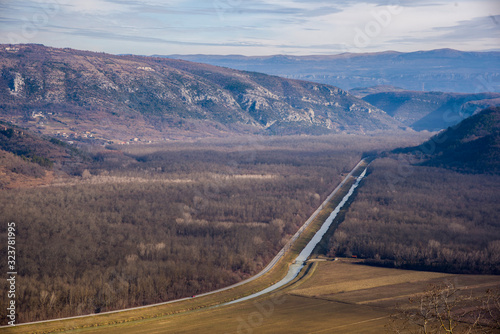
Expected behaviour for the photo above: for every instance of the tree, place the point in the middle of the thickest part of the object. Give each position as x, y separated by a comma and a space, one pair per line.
445, 308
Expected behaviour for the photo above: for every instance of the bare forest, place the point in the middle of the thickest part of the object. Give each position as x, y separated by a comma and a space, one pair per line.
424, 218
150, 223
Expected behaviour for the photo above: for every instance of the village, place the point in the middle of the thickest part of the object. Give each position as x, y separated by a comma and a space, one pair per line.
72, 134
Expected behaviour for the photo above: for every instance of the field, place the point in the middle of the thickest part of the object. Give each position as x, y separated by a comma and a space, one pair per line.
329, 297
350, 282
339, 297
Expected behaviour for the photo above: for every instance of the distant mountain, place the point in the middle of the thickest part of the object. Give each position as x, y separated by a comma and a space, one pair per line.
431, 111
442, 70
95, 96
473, 145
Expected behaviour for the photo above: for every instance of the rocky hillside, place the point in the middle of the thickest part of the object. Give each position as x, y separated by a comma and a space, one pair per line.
430, 110
473, 145
95, 96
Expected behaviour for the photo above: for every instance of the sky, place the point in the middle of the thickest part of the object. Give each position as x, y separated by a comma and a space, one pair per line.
252, 27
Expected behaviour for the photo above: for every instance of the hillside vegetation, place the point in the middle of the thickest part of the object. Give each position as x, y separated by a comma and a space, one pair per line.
27, 159
473, 145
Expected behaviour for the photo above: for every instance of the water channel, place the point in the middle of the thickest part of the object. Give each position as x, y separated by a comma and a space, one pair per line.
299, 262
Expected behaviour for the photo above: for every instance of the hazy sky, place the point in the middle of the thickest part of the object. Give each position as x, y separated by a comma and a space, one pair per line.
252, 27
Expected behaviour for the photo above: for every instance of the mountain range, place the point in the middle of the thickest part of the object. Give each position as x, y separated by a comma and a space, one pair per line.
96, 96
443, 70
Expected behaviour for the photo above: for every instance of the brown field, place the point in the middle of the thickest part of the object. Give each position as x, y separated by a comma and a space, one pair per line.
288, 314
331, 297
351, 282
336, 279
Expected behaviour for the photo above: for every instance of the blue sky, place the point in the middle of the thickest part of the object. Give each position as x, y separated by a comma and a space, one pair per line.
252, 27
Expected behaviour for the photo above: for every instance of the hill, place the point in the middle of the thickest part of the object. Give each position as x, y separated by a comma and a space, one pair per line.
26, 159
443, 70
430, 110
97, 96
473, 145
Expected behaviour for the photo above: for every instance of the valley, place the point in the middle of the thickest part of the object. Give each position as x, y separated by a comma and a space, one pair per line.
344, 295
431, 111
139, 212
153, 194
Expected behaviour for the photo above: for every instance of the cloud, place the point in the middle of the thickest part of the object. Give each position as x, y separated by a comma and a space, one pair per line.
94, 7
321, 11
7, 20
253, 26
108, 35
481, 27
486, 27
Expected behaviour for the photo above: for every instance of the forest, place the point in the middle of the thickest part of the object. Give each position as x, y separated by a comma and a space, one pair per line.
149, 223
425, 218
